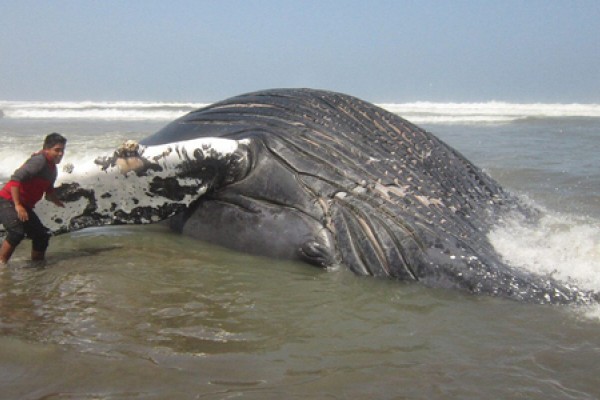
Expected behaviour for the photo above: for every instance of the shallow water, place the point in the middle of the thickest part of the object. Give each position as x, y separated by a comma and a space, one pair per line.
132, 312
142, 313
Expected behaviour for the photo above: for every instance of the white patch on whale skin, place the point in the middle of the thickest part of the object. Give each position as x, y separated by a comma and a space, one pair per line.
117, 193
428, 201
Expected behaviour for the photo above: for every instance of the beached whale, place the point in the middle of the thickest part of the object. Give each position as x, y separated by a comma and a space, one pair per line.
316, 176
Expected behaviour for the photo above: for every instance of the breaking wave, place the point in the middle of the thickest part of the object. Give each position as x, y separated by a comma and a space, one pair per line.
417, 112
107, 111
566, 247
489, 112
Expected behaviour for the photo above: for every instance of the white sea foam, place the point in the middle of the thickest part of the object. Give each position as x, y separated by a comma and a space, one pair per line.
566, 247
116, 111
488, 112
417, 112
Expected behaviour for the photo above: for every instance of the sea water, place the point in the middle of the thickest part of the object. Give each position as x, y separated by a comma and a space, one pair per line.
136, 312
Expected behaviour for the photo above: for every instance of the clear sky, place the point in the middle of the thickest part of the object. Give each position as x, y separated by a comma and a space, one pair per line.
382, 51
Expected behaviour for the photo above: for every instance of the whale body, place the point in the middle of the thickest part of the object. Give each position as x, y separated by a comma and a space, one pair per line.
320, 177
335, 180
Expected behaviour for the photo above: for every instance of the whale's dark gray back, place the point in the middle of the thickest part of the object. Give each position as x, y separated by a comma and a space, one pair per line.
351, 140
396, 200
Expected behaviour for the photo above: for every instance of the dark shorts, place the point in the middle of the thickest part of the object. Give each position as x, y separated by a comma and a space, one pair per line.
16, 230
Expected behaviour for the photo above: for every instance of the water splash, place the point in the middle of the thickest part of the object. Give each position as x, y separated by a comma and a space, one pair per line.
568, 247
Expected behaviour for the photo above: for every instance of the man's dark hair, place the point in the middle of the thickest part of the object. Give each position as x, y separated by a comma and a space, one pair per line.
53, 139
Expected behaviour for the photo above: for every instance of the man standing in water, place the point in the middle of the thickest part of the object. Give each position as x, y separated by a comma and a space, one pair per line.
18, 197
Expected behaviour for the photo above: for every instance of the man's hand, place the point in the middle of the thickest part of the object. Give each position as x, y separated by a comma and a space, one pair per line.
21, 212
